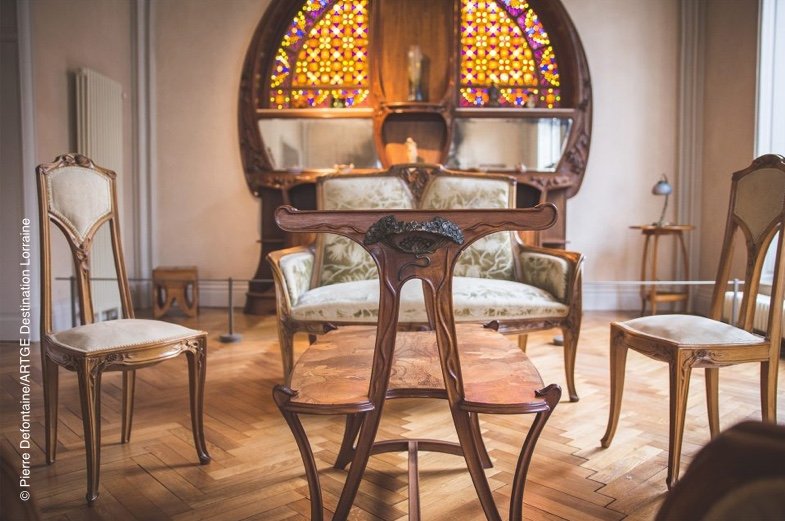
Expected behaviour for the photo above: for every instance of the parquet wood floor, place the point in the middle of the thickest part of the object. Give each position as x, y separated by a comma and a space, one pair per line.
256, 472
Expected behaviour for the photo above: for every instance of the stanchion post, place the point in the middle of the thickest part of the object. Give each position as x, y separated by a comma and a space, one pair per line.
230, 336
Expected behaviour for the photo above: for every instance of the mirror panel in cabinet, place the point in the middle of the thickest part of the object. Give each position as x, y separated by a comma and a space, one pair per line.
296, 144
428, 130
508, 143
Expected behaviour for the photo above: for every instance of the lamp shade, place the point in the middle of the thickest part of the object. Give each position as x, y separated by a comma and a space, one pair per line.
663, 187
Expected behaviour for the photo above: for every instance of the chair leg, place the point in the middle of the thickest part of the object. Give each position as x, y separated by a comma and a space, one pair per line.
522, 341
353, 424
282, 395
471, 453
552, 395
680, 371
477, 433
286, 344
768, 391
89, 376
618, 359
51, 377
197, 371
712, 399
570, 334
129, 385
361, 454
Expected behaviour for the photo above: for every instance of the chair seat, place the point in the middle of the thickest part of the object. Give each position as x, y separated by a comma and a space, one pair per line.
690, 330
498, 375
114, 335
474, 299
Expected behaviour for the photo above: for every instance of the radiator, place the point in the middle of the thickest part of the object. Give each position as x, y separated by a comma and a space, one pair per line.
99, 136
760, 319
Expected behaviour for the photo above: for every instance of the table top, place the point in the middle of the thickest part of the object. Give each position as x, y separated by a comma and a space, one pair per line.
665, 228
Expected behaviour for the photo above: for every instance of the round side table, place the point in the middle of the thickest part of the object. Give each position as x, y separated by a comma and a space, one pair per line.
649, 292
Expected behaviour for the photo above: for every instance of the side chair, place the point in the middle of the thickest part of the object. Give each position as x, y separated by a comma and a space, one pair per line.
352, 370
79, 197
685, 342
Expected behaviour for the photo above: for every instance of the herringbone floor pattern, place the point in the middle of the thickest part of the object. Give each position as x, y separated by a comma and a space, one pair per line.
257, 474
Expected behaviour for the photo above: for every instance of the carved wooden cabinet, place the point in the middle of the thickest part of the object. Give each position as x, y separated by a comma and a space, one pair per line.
331, 85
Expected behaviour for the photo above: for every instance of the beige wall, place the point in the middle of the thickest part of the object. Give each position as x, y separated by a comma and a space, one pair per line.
632, 49
728, 119
205, 214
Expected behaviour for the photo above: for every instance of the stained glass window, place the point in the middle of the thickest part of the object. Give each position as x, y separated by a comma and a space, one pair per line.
507, 59
323, 57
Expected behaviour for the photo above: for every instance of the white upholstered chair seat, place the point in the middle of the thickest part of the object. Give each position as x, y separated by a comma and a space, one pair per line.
121, 334
474, 299
691, 330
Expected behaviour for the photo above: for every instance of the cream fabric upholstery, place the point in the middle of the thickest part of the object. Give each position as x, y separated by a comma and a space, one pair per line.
473, 300
121, 334
343, 260
691, 330
547, 272
759, 199
79, 197
492, 256
297, 269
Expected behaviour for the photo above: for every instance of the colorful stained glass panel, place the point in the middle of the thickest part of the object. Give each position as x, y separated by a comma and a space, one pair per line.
323, 57
506, 56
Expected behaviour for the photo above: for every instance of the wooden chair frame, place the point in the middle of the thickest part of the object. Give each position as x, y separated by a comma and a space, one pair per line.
683, 357
90, 365
408, 244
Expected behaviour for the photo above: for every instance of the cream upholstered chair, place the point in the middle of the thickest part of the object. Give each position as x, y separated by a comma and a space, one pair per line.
334, 282
757, 210
79, 197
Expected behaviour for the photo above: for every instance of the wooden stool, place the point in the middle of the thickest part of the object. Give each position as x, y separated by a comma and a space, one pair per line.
170, 284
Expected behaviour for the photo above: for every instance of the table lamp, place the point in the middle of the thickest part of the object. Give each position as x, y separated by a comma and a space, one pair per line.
663, 187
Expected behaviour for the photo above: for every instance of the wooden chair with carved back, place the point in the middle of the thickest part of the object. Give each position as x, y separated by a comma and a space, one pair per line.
757, 211
79, 197
352, 370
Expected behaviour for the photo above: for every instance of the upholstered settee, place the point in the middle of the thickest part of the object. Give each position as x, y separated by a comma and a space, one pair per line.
516, 288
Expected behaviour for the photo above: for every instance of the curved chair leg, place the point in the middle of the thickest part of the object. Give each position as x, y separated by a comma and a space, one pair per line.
552, 394
282, 395
129, 385
712, 399
471, 453
570, 334
51, 377
353, 424
522, 341
680, 371
89, 375
618, 359
477, 433
368, 430
768, 391
197, 371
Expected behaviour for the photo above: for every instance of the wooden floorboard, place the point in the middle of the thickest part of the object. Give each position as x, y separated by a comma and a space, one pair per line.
257, 474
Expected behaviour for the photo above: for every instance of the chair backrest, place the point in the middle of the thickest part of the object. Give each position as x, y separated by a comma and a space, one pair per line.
78, 197
411, 186
757, 210
416, 244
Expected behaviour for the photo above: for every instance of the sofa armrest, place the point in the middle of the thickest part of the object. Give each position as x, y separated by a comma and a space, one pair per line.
292, 270
555, 271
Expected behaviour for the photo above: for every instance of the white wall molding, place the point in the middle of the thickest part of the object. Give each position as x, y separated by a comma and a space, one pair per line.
610, 296
690, 131
29, 153
770, 99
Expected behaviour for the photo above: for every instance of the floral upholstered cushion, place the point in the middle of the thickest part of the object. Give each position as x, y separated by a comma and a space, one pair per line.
297, 268
473, 300
490, 257
547, 272
338, 258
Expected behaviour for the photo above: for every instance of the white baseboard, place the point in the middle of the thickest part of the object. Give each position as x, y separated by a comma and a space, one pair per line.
215, 294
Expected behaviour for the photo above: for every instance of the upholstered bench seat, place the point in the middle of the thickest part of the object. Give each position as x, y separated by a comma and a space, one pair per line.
474, 299
334, 281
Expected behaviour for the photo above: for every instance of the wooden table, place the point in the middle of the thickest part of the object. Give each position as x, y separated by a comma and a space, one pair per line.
175, 284
649, 292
